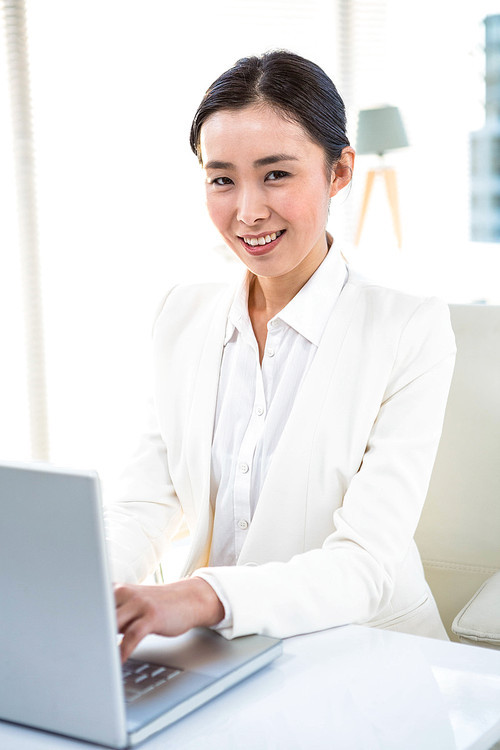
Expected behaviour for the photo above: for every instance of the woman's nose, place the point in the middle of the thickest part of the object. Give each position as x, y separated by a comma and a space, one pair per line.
251, 206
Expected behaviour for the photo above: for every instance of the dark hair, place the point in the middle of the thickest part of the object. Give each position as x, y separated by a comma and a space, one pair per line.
293, 86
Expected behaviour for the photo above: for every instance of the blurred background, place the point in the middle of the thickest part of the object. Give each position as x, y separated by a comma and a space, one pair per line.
116, 211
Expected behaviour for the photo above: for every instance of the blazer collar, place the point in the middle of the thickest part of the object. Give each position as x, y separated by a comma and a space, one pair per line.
307, 313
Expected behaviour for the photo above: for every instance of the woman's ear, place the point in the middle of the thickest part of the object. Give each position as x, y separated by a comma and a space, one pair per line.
342, 171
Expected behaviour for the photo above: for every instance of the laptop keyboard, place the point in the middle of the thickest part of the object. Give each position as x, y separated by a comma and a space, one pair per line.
140, 677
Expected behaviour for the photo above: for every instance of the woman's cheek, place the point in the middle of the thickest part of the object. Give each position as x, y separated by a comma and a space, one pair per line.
214, 212
219, 211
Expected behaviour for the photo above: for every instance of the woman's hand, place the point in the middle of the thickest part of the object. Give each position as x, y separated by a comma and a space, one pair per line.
170, 610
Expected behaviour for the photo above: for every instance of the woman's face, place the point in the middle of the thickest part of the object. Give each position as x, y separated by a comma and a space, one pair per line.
267, 189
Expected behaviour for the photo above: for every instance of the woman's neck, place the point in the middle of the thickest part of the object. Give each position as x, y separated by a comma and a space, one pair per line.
268, 295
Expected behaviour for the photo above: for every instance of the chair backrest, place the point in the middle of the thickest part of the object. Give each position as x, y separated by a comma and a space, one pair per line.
459, 533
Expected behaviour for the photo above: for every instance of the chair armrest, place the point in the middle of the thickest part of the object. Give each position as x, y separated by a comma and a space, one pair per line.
479, 621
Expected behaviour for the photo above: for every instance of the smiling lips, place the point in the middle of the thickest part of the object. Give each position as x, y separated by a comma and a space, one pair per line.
262, 244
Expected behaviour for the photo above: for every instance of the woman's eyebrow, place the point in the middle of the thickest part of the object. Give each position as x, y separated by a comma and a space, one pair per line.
273, 159
219, 165
264, 162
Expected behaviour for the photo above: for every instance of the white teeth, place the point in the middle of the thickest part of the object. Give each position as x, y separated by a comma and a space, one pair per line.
253, 241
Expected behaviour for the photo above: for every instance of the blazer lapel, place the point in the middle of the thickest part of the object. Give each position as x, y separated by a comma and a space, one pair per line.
288, 474
199, 431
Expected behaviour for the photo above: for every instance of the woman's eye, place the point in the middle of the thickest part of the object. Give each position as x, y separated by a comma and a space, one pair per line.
221, 181
276, 174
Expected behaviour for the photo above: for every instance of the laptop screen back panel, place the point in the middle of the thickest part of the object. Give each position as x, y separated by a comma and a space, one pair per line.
58, 654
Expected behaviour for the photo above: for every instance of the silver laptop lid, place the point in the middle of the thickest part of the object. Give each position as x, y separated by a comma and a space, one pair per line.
59, 661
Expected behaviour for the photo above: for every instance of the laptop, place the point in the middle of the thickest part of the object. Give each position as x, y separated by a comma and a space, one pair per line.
59, 661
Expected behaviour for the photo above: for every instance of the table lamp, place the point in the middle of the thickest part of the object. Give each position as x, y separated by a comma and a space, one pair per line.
379, 130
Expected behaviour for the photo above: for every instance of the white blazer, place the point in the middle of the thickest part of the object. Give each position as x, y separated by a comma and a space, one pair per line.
331, 541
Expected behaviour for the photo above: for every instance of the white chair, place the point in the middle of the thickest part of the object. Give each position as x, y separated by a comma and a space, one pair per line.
459, 532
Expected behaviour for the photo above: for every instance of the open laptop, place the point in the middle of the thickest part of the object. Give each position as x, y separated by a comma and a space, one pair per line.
59, 662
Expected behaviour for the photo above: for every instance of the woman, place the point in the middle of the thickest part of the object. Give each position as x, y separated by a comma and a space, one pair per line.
296, 418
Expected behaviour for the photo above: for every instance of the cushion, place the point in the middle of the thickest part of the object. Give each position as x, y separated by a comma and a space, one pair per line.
479, 621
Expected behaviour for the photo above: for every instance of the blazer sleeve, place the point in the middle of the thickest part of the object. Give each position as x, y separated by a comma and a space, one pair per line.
350, 579
146, 514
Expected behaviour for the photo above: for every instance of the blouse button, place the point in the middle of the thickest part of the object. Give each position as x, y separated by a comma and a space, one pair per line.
244, 468
270, 352
243, 524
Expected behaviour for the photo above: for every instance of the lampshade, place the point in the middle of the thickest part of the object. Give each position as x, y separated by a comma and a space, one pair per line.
380, 130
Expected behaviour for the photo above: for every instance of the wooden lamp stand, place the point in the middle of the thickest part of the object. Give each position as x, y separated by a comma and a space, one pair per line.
389, 175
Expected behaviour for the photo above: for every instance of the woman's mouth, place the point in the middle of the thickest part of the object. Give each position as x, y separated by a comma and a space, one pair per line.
261, 244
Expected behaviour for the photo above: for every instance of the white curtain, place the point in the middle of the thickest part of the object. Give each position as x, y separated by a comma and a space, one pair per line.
17, 70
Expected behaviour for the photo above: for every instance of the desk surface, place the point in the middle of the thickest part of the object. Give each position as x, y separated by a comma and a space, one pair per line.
352, 688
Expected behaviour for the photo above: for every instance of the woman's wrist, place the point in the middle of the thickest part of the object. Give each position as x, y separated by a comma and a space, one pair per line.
209, 606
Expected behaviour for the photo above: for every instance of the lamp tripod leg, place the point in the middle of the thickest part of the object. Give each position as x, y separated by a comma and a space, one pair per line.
370, 177
392, 194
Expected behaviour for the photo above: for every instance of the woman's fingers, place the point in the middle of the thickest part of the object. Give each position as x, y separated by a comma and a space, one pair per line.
132, 636
129, 606
131, 620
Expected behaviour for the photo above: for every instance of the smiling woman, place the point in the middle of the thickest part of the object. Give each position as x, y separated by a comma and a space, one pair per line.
296, 416
248, 201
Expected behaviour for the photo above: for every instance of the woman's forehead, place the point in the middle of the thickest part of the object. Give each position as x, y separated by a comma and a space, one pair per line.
254, 131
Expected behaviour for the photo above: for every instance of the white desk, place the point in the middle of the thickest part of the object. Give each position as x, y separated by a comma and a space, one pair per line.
350, 688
